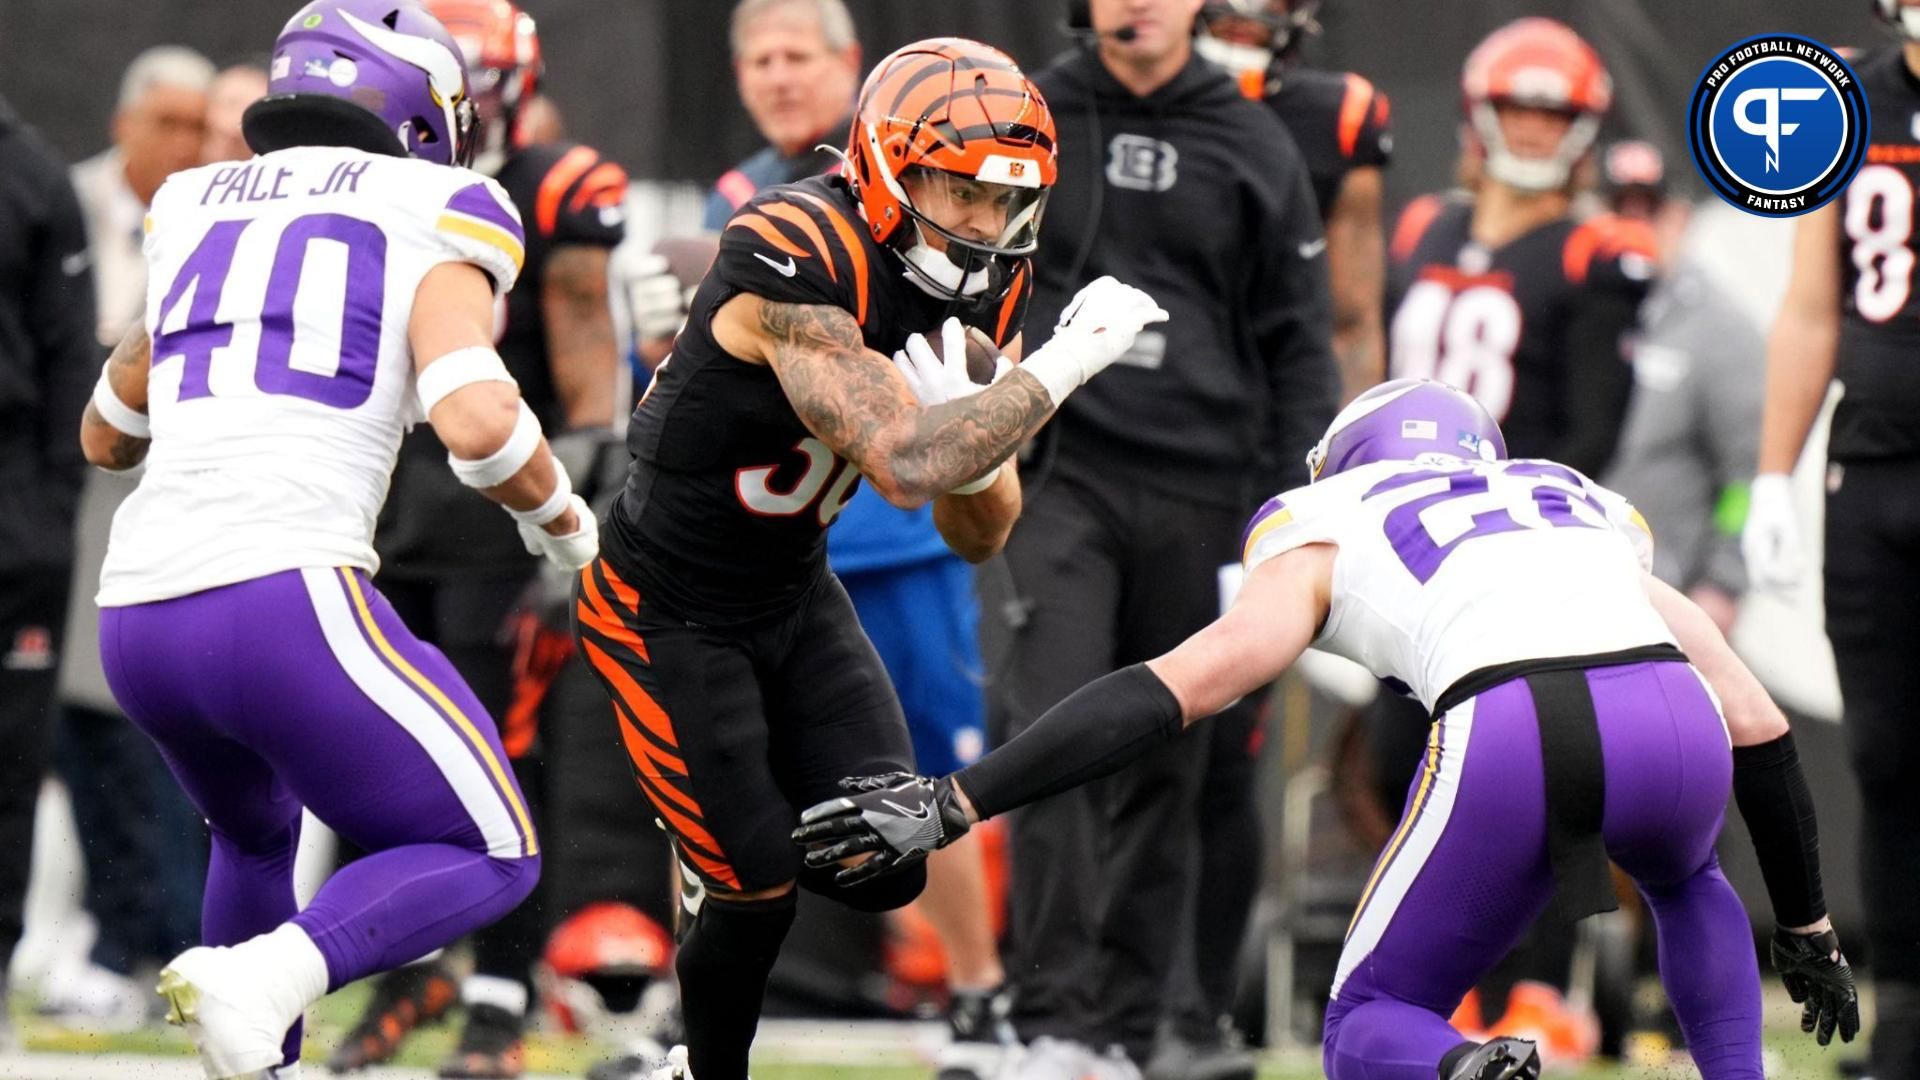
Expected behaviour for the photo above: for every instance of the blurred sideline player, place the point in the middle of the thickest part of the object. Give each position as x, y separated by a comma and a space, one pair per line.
451, 566
1850, 314
743, 684
1569, 728
1504, 292
239, 628
1339, 122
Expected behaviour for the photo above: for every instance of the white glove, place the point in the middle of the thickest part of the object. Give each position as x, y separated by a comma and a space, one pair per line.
1771, 540
654, 297
936, 380
1096, 329
572, 551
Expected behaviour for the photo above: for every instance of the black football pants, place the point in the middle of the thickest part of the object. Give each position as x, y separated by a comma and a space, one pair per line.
1873, 620
1097, 576
33, 616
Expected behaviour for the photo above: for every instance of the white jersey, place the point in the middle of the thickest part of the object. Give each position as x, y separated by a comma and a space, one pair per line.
279, 294
1447, 566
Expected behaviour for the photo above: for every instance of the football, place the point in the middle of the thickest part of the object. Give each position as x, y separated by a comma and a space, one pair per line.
983, 356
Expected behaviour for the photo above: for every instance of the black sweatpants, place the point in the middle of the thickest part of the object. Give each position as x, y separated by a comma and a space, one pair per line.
33, 617
1872, 592
1094, 579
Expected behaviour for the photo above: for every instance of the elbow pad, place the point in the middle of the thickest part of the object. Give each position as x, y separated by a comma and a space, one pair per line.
498, 467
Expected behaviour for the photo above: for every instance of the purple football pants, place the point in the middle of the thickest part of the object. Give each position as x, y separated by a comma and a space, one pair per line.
304, 689
1467, 872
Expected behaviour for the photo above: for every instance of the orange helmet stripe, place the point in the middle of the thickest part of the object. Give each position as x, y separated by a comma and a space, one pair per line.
553, 187
856, 252
1353, 112
605, 179
768, 233
796, 216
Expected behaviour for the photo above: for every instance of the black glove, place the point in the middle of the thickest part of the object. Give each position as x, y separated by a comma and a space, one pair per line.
900, 817
1817, 977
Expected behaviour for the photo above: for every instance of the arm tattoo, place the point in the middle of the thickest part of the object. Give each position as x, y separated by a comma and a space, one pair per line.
580, 342
124, 451
126, 369
846, 395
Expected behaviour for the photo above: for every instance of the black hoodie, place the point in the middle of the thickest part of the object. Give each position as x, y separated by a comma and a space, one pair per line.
1205, 203
48, 356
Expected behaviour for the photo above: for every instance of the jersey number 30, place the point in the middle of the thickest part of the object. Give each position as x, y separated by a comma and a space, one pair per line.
824, 487
345, 381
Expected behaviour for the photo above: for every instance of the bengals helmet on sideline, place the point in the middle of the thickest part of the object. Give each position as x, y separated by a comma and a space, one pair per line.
502, 51
1251, 35
1542, 64
956, 109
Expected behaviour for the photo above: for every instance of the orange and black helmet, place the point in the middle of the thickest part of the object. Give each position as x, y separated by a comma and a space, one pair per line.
1535, 63
502, 51
955, 107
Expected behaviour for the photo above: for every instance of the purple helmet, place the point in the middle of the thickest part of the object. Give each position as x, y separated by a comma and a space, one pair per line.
380, 75
1402, 419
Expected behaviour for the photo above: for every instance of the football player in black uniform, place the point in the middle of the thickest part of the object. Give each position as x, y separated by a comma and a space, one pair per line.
1505, 292
1340, 122
1850, 314
454, 571
742, 682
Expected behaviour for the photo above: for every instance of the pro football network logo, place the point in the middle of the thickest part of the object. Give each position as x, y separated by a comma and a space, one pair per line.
1778, 125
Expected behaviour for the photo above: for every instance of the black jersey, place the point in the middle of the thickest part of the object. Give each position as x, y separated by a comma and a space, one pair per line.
1339, 121
1879, 416
432, 525
727, 503
1532, 329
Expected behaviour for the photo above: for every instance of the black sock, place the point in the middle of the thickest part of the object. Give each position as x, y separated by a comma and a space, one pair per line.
723, 967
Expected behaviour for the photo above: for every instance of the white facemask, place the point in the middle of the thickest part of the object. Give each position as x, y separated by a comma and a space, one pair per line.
1232, 55
937, 275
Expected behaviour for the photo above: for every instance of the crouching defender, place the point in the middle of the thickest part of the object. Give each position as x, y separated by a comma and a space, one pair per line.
307, 306
1582, 711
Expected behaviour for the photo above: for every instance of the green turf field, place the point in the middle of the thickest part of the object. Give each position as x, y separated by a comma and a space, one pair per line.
1792, 1056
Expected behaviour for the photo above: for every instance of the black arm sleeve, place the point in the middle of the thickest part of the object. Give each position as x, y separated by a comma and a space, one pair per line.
1772, 794
1599, 380
1100, 728
60, 319
1291, 322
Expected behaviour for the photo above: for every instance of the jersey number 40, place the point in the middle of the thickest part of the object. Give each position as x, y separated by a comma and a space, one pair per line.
344, 381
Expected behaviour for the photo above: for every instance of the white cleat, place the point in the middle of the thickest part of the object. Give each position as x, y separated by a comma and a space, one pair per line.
676, 1066
220, 1004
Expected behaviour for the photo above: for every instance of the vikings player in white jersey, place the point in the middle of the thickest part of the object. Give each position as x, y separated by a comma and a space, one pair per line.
307, 306
1512, 599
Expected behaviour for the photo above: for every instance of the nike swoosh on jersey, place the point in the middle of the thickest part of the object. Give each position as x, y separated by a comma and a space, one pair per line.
786, 269
1313, 247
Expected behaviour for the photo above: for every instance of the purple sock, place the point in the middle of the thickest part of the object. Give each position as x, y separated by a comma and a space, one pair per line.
1386, 1039
1707, 964
397, 905
250, 892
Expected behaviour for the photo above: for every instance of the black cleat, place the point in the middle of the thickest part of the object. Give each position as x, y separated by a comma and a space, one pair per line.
1499, 1059
403, 999
492, 1046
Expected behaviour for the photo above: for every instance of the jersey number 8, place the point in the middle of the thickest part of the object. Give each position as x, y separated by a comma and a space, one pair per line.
344, 381
1879, 242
